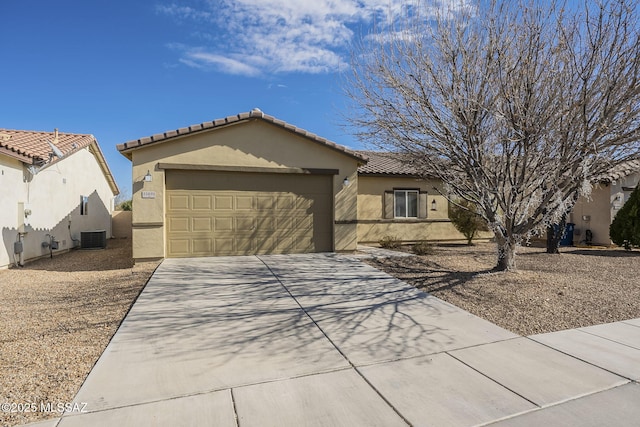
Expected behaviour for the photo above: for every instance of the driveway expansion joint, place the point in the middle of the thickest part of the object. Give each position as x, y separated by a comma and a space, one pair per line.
494, 380
583, 360
353, 366
610, 339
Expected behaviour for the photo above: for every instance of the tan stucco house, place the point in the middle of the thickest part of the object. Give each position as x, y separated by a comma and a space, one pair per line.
253, 184
594, 215
245, 184
53, 187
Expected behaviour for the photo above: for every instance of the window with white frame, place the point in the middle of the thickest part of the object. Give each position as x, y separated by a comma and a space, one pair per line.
405, 203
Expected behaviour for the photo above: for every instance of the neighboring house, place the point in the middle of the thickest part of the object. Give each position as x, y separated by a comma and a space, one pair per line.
252, 184
51, 184
597, 212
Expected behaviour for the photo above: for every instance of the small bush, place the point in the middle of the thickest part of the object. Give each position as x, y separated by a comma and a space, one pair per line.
466, 220
422, 248
124, 206
389, 242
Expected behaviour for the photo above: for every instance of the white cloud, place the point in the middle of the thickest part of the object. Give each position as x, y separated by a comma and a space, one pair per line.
221, 63
183, 12
253, 37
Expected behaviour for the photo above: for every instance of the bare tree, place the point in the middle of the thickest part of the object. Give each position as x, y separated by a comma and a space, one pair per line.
517, 107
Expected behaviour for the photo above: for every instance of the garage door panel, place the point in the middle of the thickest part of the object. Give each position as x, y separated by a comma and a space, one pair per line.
202, 246
202, 202
244, 223
284, 223
285, 202
223, 202
304, 203
178, 202
245, 202
264, 202
179, 247
244, 246
222, 224
178, 224
223, 246
247, 213
265, 224
284, 243
202, 224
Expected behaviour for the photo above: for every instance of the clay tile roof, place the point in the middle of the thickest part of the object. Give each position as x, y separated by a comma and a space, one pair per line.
32, 146
254, 114
386, 163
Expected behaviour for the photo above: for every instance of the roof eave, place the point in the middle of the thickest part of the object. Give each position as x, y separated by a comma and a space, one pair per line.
391, 174
97, 152
129, 146
23, 157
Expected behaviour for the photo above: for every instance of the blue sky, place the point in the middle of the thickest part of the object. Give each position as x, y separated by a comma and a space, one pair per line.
122, 70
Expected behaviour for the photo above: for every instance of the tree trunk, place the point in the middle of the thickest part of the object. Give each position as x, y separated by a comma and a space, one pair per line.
470, 237
506, 254
554, 236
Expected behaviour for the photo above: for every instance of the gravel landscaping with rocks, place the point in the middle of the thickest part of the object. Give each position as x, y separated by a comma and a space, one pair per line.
579, 287
57, 317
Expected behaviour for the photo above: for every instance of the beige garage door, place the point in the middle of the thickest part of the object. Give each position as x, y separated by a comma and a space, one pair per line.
222, 213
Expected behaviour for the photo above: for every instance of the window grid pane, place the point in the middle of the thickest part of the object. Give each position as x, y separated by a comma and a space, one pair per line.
401, 204
412, 204
406, 203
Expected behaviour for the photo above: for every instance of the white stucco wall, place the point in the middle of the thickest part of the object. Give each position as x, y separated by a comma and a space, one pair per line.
11, 190
53, 196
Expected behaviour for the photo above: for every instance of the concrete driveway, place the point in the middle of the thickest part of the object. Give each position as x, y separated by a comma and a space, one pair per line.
325, 340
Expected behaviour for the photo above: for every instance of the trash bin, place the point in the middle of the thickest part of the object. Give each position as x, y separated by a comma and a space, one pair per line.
567, 237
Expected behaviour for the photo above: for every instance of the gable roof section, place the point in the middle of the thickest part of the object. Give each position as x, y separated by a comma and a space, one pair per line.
31, 147
383, 163
254, 114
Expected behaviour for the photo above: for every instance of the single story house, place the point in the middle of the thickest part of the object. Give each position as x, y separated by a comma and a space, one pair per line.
53, 187
253, 184
592, 216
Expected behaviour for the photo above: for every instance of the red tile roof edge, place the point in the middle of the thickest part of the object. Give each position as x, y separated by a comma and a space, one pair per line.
253, 114
32, 146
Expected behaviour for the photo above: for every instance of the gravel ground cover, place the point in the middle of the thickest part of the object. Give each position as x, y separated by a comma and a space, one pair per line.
579, 287
57, 317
